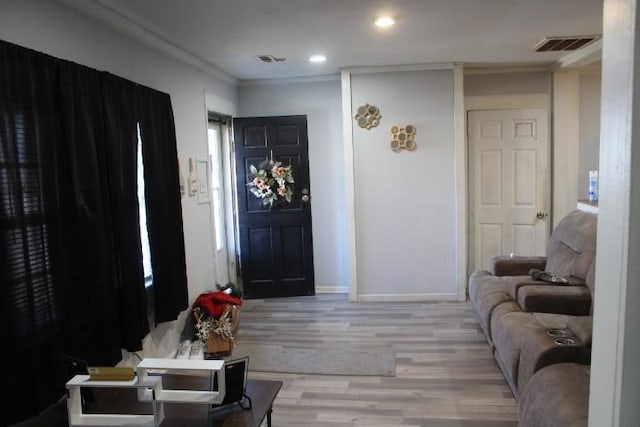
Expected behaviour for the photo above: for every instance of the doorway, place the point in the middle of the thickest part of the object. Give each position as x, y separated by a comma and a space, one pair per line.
275, 241
509, 185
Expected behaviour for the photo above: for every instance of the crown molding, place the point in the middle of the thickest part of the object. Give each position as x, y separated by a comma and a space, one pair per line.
135, 26
394, 68
288, 80
506, 69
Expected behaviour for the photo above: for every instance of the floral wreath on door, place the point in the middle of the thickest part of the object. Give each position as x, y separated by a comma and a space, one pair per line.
272, 182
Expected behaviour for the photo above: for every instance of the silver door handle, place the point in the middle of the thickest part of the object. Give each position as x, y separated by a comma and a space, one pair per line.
305, 195
541, 215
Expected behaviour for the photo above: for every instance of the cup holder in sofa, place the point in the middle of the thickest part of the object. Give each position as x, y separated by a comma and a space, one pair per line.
562, 337
565, 341
559, 333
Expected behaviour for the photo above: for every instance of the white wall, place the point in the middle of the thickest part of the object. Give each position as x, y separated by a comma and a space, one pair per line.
576, 134
566, 143
320, 101
405, 215
57, 30
615, 373
589, 145
506, 83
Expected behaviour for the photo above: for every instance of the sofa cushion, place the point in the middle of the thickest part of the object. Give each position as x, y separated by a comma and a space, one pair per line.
556, 396
483, 282
484, 309
574, 300
514, 283
486, 291
502, 265
502, 309
508, 333
572, 245
553, 320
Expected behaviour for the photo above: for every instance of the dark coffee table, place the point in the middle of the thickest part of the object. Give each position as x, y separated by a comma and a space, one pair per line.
261, 392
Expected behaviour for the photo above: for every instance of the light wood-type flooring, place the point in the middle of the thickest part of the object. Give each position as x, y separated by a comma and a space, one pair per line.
445, 373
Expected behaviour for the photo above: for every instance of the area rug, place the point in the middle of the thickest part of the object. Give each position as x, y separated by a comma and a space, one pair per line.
294, 360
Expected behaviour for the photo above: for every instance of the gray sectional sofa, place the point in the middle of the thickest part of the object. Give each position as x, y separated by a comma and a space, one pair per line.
540, 330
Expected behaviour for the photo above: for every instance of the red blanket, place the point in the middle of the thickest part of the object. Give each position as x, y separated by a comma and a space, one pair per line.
214, 303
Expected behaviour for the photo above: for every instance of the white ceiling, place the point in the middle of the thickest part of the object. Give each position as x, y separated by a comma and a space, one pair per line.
228, 34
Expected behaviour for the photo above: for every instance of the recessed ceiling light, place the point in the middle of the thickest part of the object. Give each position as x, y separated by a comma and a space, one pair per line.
317, 58
384, 22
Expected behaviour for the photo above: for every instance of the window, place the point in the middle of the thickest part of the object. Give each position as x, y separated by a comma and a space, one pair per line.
144, 235
25, 242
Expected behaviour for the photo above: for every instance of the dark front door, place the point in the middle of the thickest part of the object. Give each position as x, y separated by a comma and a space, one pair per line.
276, 257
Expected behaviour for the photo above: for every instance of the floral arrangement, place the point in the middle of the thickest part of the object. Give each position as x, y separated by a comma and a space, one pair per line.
271, 181
206, 325
213, 313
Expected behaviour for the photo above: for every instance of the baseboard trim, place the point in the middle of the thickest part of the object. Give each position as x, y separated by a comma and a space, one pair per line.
407, 297
331, 290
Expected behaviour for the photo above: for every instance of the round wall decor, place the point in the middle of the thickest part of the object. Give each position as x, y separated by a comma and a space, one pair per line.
402, 137
368, 116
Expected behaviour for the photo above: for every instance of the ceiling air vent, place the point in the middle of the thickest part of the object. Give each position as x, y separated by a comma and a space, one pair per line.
270, 58
563, 44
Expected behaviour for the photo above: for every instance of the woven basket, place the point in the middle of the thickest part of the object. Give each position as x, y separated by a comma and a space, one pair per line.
219, 345
235, 318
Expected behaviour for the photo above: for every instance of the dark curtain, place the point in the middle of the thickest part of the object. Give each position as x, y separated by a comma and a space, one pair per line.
87, 284
30, 317
162, 195
70, 251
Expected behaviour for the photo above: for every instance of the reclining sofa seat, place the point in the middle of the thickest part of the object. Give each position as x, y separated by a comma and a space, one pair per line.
549, 381
523, 345
507, 287
515, 312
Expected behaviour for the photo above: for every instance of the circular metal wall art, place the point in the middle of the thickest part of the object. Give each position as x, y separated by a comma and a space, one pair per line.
368, 116
403, 137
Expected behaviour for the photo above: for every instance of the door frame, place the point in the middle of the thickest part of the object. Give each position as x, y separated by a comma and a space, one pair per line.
506, 102
279, 218
543, 191
230, 211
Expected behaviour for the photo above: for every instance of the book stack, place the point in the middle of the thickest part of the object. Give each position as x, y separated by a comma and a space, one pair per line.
108, 373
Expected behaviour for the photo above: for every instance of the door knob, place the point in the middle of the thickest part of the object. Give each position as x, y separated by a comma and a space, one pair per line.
305, 195
541, 215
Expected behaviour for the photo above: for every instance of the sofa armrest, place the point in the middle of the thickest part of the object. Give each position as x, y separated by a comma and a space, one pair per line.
517, 266
538, 350
582, 327
557, 395
559, 299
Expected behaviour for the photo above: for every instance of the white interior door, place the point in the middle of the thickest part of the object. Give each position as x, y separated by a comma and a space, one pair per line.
509, 185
